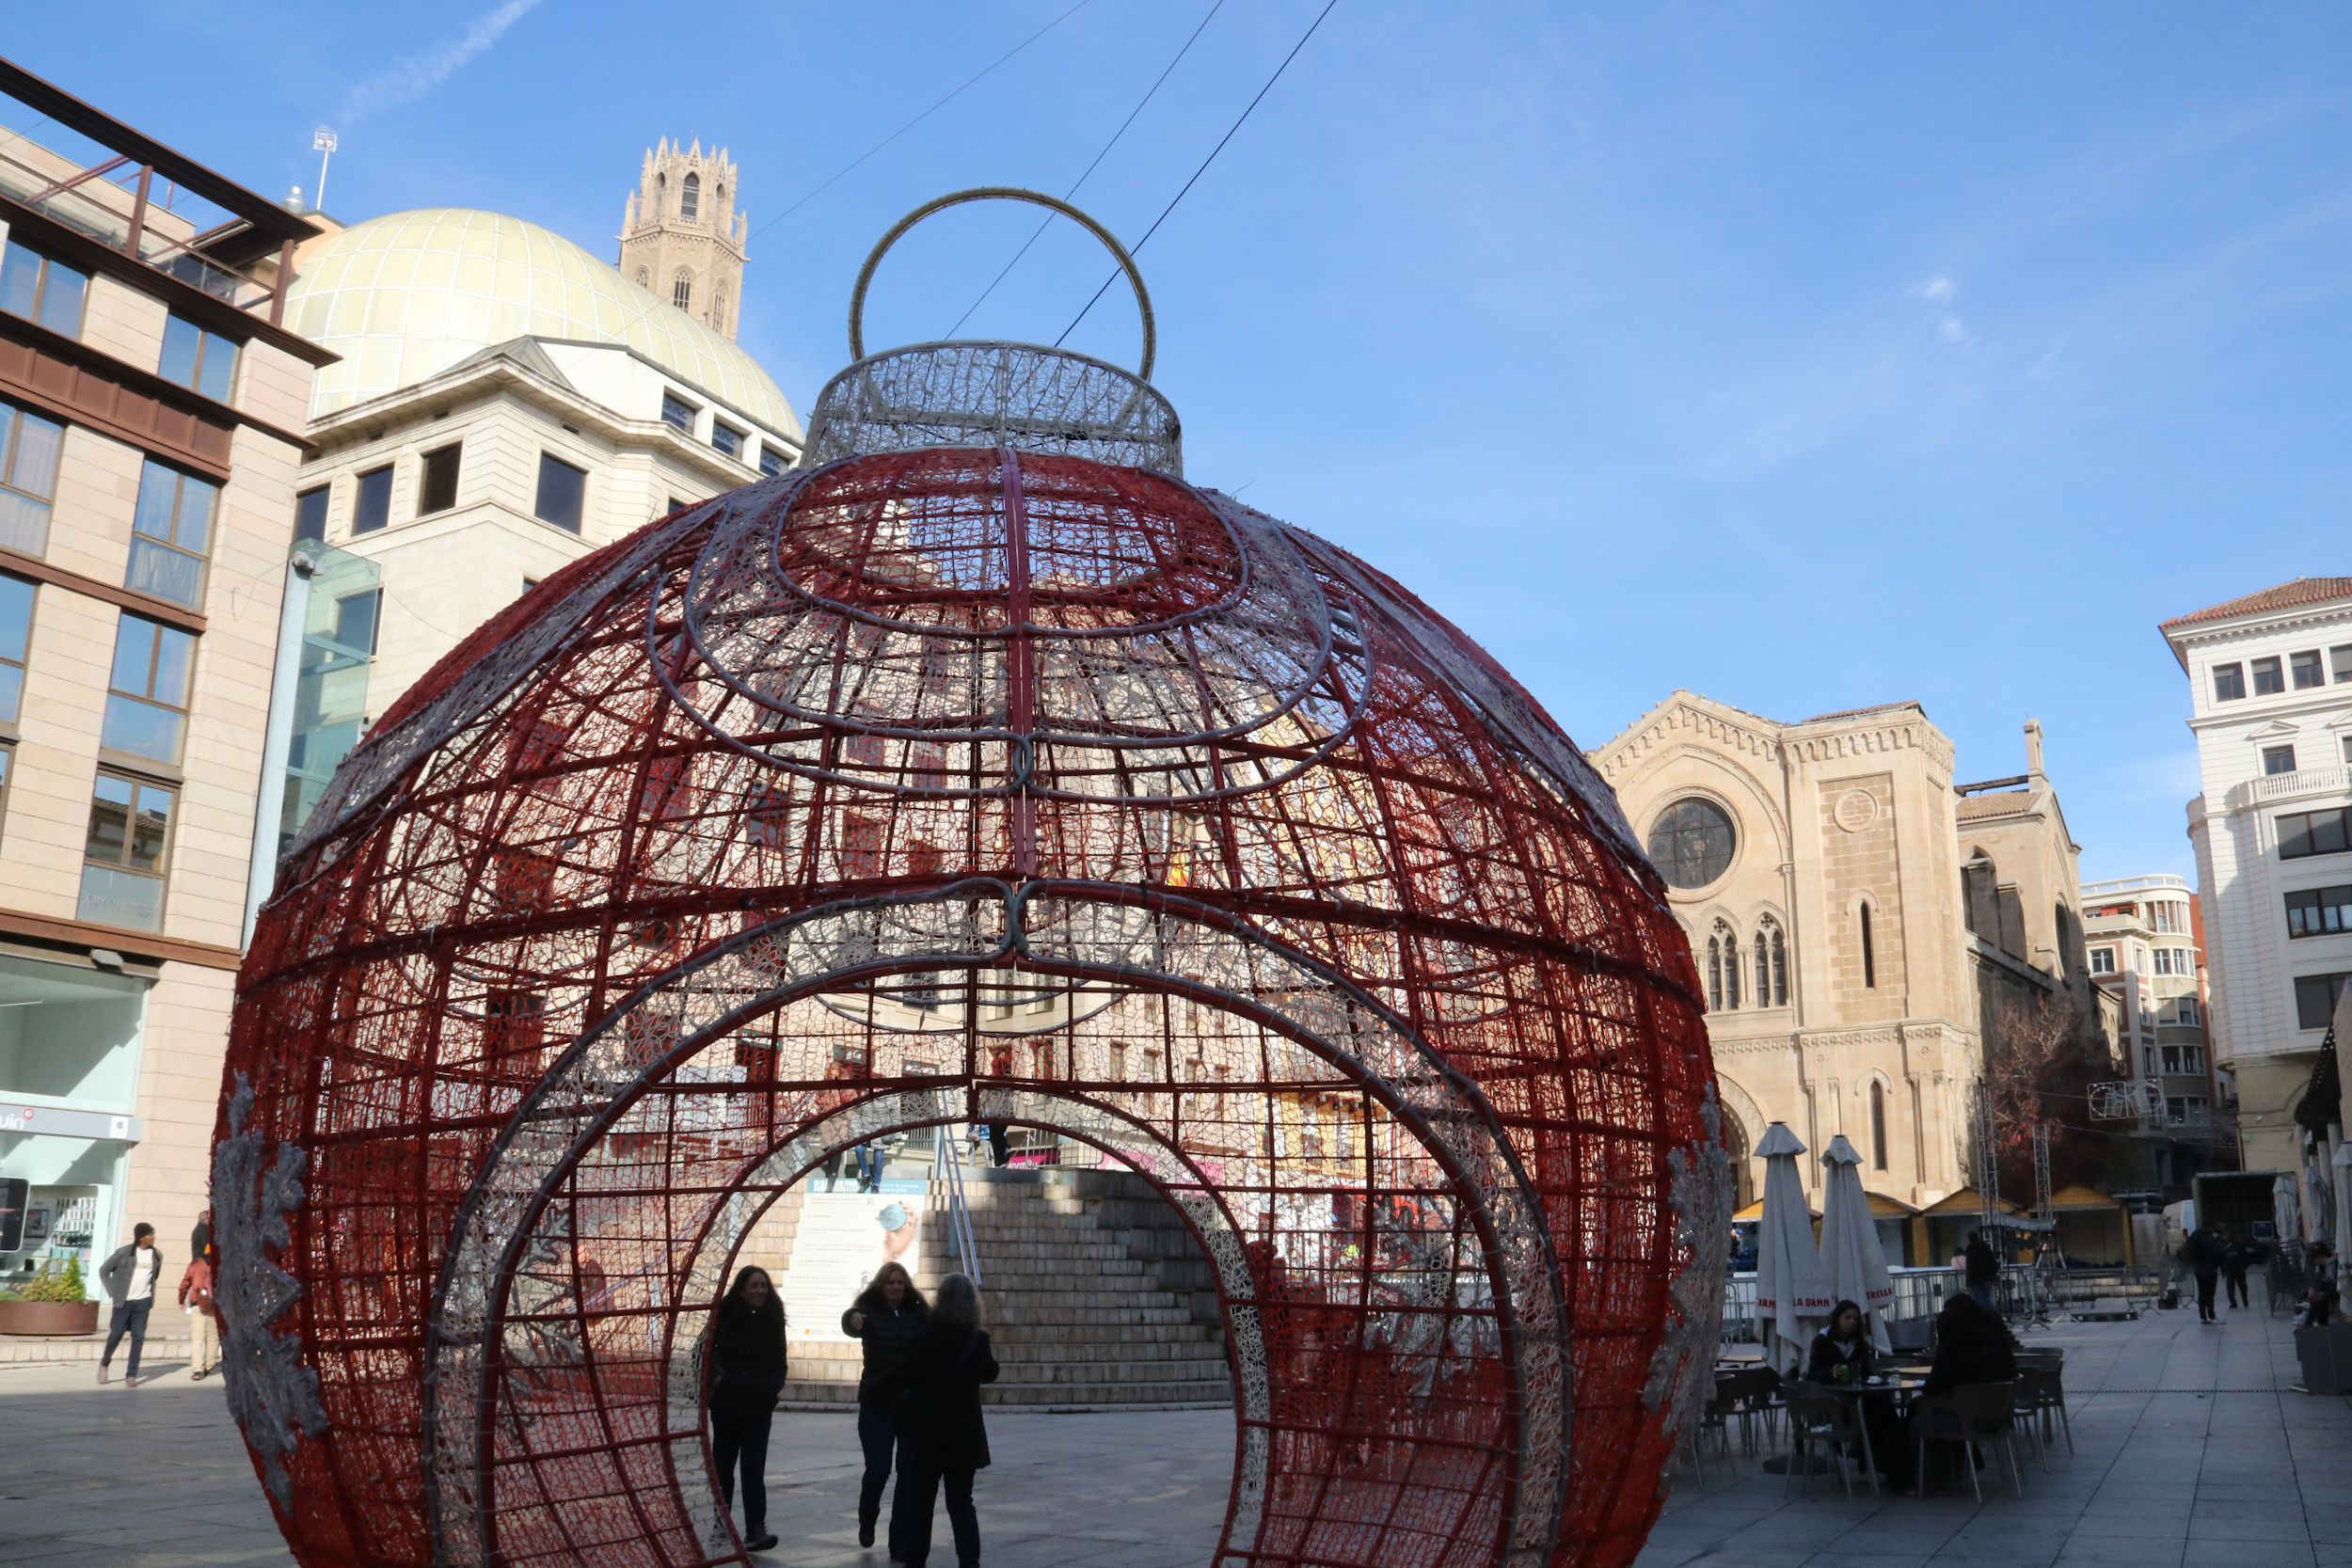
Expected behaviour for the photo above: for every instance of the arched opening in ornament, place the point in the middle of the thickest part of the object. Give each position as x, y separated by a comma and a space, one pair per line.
1361, 1285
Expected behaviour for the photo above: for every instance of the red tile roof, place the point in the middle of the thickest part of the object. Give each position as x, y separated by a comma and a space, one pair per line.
2302, 590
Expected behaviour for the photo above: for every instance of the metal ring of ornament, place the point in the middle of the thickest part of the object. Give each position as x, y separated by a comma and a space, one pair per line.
1005, 192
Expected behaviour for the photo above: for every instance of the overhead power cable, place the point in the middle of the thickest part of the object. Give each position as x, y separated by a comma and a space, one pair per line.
832, 179
1044, 222
1196, 173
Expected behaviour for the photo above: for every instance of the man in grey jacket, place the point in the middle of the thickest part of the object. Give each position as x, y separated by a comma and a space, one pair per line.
130, 1277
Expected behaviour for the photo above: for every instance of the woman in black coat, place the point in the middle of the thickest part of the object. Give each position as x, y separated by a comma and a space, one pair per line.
1842, 1354
885, 1318
1972, 1345
746, 1369
941, 1438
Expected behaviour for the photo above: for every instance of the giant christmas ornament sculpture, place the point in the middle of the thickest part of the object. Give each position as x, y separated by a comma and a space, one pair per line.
982, 768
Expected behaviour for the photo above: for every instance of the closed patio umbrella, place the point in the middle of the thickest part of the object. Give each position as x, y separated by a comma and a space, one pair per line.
2319, 1205
2343, 1199
1851, 1258
1791, 1284
2283, 1209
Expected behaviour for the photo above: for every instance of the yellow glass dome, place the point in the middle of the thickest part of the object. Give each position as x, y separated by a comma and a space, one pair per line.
406, 295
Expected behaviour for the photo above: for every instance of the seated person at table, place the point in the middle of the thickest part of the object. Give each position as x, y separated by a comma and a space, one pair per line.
1842, 1351
1972, 1345
1843, 1356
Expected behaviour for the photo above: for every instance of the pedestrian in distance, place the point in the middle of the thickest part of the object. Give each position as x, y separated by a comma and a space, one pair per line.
746, 1371
195, 1296
886, 1319
200, 1240
1983, 1270
2202, 1254
942, 1438
130, 1277
2236, 1257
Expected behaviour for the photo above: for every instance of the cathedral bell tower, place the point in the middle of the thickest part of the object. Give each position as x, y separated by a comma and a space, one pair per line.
681, 237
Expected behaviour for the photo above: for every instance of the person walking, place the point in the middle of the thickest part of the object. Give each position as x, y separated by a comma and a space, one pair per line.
129, 1278
2236, 1257
195, 1295
886, 1319
942, 1438
1983, 1270
2201, 1253
746, 1377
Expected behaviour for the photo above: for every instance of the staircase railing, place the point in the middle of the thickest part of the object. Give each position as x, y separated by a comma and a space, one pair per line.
947, 1162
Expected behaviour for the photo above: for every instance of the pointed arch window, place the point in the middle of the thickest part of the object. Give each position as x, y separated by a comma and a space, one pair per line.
682, 290
1723, 968
689, 197
1715, 974
1869, 949
1771, 965
1878, 1125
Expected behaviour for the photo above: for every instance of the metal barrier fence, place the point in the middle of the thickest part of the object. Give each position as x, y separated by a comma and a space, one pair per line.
2025, 1292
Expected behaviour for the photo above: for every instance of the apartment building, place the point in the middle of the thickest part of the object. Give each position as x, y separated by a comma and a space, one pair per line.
151, 407
2142, 934
2270, 703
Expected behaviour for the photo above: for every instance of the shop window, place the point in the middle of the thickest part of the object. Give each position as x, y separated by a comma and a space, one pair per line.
42, 288
147, 695
123, 854
28, 478
198, 358
16, 637
171, 534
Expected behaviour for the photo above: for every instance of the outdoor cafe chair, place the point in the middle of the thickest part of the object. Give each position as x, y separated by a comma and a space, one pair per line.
1971, 1412
1823, 1418
2048, 1394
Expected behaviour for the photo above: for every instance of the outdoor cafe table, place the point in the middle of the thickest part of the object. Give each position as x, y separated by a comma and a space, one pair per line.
1898, 1386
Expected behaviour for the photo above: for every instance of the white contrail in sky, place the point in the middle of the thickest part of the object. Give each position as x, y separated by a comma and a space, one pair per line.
412, 78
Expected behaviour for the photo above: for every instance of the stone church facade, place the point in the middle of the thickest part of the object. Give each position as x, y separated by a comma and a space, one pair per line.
1852, 942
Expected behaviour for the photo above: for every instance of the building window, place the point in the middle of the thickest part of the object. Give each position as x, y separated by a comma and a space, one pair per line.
2315, 832
1691, 842
773, 460
1870, 952
689, 197
2182, 1058
2319, 912
7, 760
122, 857
2340, 660
43, 289
356, 618
2103, 960
1715, 975
1878, 1125
198, 358
1772, 965
2269, 679
147, 696
515, 1031
1731, 968
373, 508
28, 478
169, 534
2228, 682
2187, 1010
2304, 669
726, 438
16, 637
437, 483
2175, 960
682, 290
311, 517
563, 491
2315, 999
2347, 748
677, 413
2278, 759
2171, 919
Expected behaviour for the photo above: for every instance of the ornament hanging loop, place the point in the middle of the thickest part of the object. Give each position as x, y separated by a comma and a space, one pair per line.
1005, 192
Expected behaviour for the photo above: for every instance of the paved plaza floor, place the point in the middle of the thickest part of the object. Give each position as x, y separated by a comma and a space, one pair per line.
2191, 1451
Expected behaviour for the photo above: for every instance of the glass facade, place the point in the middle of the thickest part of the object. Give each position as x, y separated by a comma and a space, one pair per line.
68, 1082
331, 689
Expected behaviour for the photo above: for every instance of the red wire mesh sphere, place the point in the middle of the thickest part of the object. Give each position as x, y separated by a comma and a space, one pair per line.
967, 782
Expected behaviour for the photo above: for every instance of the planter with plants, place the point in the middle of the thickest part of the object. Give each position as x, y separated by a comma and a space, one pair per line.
49, 1303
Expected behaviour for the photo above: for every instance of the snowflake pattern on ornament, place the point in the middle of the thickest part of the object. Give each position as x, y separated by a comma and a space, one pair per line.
274, 1397
1680, 1378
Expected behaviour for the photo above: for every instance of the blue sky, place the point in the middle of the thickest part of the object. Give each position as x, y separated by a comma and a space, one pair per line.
1807, 355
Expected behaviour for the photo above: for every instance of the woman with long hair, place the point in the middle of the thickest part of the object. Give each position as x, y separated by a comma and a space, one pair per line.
885, 1318
746, 1372
941, 1438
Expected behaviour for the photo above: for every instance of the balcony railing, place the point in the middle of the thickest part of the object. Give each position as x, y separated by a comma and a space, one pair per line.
2282, 786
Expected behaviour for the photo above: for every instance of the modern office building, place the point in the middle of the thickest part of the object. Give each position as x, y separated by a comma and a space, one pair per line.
2270, 703
152, 407
2141, 933
504, 404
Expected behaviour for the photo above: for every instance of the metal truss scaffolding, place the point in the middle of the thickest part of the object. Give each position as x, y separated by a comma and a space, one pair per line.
938, 784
